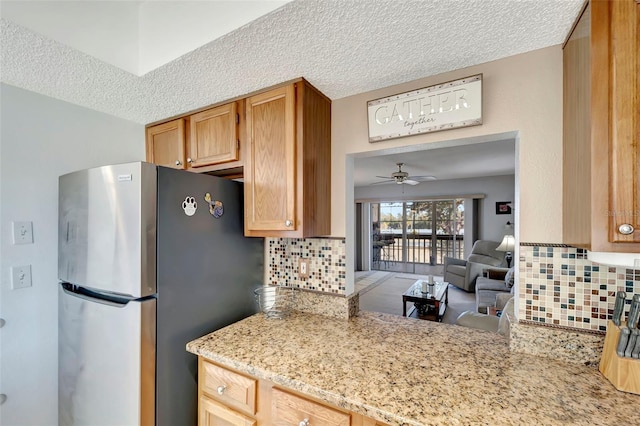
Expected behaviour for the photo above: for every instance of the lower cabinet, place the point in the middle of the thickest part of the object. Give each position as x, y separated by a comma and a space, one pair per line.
212, 413
289, 409
227, 397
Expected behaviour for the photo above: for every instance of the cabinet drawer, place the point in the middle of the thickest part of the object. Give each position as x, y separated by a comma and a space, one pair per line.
229, 387
288, 409
214, 414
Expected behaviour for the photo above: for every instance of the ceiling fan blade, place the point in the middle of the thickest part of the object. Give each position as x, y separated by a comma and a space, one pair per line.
384, 177
423, 177
382, 182
410, 182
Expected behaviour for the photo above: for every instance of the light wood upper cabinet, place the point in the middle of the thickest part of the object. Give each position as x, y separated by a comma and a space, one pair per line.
601, 140
270, 169
213, 137
165, 144
207, 141
287, 169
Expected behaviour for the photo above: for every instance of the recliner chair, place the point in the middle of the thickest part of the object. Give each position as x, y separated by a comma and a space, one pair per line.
463, 273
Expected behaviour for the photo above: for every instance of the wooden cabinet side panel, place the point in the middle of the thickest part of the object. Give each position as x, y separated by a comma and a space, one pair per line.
165, 144
623, 165
214, 136
576, 223
315, 133
270, 168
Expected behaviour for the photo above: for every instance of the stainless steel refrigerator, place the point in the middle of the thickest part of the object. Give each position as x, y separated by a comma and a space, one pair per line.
149, 258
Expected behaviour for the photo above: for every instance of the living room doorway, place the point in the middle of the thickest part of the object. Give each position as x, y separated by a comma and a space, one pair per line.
480, 171
415, 235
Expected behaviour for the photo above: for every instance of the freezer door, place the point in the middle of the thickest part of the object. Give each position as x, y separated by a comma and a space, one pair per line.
107, 228
106, 363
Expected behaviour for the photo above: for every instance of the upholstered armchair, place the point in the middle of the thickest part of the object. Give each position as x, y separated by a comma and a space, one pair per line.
489, 322
463, 273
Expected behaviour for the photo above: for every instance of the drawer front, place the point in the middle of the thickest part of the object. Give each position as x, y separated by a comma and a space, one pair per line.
215, 414
229, 387
288, 409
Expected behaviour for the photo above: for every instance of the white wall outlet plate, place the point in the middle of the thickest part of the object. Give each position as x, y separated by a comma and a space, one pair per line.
22, 232
20, 277
303, 268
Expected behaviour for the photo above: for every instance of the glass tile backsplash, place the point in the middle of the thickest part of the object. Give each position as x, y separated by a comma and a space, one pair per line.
327, 263
559, 286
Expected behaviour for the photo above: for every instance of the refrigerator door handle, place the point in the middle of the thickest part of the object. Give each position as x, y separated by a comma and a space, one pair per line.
94, 296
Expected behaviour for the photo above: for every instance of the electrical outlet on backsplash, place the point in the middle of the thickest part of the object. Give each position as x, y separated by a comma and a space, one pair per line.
559, 286
326, 261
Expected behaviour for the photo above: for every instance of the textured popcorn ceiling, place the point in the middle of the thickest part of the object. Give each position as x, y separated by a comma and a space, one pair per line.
343, 47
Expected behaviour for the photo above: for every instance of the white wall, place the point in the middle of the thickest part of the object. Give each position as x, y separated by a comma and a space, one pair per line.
40, 139
494, 188
171, 29
107, 30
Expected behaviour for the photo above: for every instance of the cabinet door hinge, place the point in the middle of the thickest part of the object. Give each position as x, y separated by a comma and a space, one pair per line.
238, 144
237, 118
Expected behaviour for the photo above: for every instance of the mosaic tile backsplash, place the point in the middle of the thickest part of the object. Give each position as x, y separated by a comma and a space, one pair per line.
560, 286
327, 263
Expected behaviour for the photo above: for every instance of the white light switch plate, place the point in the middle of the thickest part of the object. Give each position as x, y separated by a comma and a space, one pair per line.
20, 277
22, 232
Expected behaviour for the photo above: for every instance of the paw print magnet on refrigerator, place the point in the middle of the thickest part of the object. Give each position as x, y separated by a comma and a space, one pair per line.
189, 205
215, 207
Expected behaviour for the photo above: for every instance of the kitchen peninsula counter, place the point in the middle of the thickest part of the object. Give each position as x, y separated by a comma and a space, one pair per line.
404, 371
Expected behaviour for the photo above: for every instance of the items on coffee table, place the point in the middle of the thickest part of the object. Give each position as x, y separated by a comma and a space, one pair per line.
430, 305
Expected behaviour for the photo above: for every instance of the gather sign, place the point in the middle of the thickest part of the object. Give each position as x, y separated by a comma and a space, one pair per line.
440, 107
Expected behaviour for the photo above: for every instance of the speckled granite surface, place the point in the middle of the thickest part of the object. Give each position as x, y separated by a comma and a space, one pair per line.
405, 371
336, 306
574, 346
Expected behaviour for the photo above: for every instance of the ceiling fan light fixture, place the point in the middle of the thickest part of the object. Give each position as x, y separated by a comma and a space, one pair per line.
401, 177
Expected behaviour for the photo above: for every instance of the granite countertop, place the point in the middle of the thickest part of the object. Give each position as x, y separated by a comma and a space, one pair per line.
404, 371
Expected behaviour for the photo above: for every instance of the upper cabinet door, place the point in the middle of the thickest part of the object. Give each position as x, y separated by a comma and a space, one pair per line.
601, 131
165, 144
270, 166
624, 80
213, 136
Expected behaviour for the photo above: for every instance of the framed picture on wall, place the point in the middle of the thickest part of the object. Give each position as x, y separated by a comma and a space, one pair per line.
503, 207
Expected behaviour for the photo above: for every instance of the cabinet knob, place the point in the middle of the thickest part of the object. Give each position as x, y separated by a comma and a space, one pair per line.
3, 398
189, 160
305, 422
288, 223
221, 389
626, 229
178, 163
2, 322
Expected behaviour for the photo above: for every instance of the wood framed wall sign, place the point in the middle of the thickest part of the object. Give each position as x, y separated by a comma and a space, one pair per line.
443, 106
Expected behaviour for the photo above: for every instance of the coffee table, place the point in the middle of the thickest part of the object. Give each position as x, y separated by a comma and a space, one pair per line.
429, 306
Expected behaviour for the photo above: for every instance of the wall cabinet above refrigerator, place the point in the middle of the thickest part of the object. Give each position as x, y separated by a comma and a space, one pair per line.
601, 136
277, 139
206, 141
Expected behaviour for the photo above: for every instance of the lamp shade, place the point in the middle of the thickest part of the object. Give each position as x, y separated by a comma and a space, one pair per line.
508, 243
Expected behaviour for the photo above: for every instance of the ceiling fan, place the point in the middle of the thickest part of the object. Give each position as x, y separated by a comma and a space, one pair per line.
401, 177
